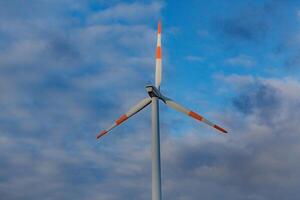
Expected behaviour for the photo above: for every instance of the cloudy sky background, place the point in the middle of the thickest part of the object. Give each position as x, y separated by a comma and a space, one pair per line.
66, 65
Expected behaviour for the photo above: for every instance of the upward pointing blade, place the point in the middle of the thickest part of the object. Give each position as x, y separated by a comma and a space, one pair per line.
135, 109
192, 114
158, 67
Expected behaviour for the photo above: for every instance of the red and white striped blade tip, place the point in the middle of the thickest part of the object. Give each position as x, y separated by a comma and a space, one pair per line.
220, 129
101, 134
200, 118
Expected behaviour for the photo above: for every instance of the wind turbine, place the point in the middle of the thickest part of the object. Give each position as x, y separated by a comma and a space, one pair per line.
155, 95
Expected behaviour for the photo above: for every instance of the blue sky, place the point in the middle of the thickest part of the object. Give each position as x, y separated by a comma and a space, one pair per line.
69, 68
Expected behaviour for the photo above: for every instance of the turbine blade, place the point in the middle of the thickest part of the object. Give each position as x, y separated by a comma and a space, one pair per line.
135, 109
158, 67
192, 114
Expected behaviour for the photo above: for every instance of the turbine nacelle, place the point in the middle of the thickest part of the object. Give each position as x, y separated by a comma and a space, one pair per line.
154, 92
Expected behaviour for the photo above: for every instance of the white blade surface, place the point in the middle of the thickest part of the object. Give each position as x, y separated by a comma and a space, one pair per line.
158, 67
192, 114
135, 109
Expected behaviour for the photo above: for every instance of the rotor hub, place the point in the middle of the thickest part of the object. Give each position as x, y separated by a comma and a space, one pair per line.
153, 91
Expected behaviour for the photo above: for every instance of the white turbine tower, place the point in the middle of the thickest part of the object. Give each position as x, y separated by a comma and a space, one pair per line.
155, 95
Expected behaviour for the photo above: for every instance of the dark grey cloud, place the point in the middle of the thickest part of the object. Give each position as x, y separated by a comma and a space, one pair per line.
267, 26
257, 160
260, 98
244, 27
255, 22
60, 81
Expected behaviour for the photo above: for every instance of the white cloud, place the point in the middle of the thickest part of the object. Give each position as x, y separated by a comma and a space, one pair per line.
52, 108
195, 58
59, 81
287, 86
241, 61
125, 12
24, 52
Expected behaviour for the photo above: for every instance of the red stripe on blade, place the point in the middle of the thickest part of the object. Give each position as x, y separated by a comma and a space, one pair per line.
158, 52
101, 134
121, 119
159, 27
195, 115
220, 128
